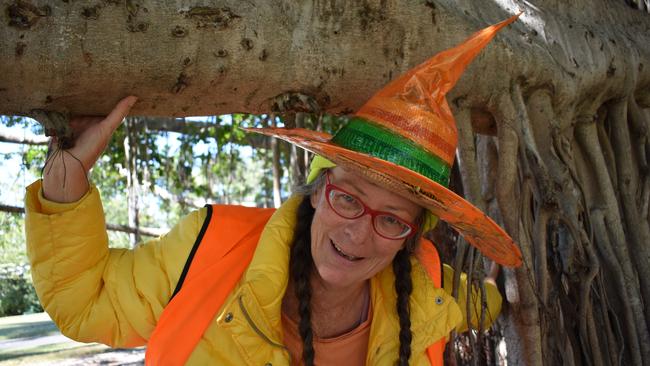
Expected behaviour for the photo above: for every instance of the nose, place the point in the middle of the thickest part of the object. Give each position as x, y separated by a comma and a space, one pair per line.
360, 229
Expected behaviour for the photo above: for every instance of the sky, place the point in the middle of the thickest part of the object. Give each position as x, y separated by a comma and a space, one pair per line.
14, 179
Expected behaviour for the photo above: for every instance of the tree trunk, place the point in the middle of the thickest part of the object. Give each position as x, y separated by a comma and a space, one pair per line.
298, 155
277, 168
132, 181
553, 121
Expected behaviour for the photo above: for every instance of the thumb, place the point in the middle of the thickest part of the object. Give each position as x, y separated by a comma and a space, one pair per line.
121, 110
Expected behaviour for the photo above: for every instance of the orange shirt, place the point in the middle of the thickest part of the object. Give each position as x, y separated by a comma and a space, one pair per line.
347, 349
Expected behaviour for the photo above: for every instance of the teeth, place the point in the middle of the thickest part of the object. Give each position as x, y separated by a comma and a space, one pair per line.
341, 252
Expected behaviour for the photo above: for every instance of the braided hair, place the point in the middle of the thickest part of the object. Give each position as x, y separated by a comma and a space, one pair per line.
301, 265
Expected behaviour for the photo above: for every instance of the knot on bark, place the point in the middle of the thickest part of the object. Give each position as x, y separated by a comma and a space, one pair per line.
206, 16
55, 124
294, 102
23, 15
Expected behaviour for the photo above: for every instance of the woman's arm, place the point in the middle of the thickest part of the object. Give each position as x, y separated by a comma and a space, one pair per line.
97, 294
94, 293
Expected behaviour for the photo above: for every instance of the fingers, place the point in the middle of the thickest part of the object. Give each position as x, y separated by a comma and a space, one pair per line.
118, 113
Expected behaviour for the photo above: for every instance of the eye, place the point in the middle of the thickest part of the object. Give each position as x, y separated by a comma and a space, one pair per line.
391, 226
391, 220
343, 197
347, 198
344, 200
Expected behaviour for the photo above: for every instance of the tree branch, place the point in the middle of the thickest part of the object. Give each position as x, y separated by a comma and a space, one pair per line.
146, 231
11, 209
16, 138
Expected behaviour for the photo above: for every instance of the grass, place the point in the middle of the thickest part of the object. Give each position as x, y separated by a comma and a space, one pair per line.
55, 350
26, 326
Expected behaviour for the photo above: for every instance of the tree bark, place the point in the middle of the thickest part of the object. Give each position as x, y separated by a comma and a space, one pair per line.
256, 56
132, 181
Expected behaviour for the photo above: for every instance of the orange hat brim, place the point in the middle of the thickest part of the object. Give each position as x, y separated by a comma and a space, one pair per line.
474, 225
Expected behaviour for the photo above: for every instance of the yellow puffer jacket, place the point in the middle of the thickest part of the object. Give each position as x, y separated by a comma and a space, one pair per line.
115, 296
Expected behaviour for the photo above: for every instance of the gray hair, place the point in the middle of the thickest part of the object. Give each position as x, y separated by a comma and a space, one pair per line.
307, 189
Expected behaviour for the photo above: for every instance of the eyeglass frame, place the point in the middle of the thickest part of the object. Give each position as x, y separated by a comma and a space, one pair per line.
366, 210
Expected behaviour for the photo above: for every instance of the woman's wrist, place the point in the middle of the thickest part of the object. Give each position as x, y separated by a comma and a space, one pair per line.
65, 179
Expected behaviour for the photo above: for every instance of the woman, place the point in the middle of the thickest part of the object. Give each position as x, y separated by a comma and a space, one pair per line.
339, 274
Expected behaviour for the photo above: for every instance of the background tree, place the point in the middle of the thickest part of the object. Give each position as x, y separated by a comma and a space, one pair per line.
552, 120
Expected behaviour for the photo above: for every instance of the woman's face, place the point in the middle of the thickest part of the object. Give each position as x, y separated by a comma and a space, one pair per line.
347, 252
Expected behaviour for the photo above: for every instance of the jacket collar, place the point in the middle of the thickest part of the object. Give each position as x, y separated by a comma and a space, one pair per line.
433, 312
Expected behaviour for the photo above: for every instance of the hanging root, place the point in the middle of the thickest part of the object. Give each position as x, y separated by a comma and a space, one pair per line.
639, 126
606, 147
527, 310
585, 314
467, 158
607, 254
610, 326
507, 171
638, 231
587, 137
59, 153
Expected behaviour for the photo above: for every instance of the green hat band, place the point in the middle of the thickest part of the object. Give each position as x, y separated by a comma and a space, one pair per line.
362, 136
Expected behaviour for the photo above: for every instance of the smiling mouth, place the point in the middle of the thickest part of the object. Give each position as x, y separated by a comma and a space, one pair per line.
344, 254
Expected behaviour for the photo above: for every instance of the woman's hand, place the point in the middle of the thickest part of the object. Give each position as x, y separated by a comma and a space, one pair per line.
66, 171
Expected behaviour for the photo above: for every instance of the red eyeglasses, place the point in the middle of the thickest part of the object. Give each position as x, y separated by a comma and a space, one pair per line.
350, 207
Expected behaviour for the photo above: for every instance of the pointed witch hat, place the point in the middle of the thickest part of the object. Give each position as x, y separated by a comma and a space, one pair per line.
404, 139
